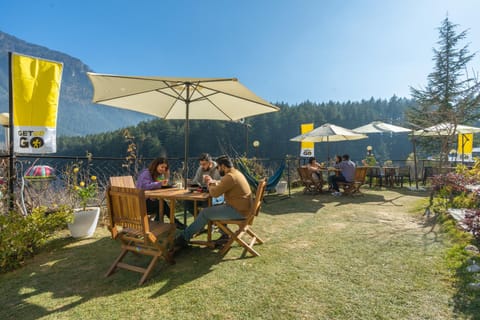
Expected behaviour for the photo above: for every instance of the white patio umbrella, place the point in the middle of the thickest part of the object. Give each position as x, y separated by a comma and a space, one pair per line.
179, 98
329, 133
446, 129
382, 127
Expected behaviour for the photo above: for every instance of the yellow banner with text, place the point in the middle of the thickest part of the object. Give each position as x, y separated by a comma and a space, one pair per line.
307, 149
36, 91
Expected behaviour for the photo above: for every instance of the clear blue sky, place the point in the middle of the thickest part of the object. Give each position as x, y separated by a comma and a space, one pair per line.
284, 50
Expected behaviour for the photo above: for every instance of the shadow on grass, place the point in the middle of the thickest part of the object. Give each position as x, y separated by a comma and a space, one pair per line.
73, 272
300, 202
192, 262
296, 203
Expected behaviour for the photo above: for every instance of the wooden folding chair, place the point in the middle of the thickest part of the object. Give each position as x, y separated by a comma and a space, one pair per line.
244, 226
403, 172
353, 187
122, 181
129, 223
375, 172
310, 185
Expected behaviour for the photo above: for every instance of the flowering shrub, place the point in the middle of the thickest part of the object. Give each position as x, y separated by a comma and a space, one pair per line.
451, 183
85, 191
81, 188
453, 191
472, 222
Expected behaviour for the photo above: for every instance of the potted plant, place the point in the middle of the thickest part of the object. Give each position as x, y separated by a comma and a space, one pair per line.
85, 219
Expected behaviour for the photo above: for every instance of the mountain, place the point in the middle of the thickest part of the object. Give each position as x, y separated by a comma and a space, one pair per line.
76, 114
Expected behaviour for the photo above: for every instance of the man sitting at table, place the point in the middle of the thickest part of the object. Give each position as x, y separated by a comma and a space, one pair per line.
347, 168
237, 193
207, 167
338, 159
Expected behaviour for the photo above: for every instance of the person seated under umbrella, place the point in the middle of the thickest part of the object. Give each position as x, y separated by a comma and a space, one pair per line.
347, 168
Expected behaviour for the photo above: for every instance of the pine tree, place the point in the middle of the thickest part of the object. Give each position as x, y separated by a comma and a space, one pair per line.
451, 95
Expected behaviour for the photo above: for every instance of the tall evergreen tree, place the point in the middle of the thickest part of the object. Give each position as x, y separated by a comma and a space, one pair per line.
451, 95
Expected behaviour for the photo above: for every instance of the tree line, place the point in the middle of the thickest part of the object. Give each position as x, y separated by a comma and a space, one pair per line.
273, 131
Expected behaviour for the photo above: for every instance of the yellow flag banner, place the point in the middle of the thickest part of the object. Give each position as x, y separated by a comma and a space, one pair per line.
35, 93
465, 143
306, 148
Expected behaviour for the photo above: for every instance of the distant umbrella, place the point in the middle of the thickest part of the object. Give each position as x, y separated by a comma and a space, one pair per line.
329, 133
380, 127
446, 129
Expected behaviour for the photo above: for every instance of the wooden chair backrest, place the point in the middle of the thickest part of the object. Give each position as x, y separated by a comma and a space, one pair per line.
122, 181
404, 171
127, 208
374, 171
360, 174
304, 174
257, 203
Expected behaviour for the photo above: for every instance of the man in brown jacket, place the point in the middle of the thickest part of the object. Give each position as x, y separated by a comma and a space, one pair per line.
236, 190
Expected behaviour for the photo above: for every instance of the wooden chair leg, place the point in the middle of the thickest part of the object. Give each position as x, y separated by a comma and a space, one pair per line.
253, 235
149, 269
247, 247
116, 262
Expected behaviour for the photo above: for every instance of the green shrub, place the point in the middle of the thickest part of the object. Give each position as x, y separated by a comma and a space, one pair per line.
464, 200
21, 236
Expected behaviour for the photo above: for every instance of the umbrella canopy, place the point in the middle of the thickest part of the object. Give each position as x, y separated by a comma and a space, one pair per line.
380, 127
179, 98
446, 129
329, 133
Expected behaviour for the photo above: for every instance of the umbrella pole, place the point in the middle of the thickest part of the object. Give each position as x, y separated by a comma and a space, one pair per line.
328, 151
187, 130
415, 159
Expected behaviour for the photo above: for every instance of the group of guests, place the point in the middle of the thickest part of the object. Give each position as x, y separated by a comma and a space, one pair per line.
218, 177
345, 172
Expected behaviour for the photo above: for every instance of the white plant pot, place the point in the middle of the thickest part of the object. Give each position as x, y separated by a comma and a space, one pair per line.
281, 187
84, 222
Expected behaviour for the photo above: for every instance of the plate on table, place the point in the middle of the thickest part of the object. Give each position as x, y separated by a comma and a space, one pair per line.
169, 186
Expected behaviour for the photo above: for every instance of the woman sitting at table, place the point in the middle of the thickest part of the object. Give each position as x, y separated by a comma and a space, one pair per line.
314, 168
156, 176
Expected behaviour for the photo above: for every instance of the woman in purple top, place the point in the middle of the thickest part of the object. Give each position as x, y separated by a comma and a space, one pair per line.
155, 177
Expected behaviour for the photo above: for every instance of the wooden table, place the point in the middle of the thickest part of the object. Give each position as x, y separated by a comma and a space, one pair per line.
337, 171
173, 194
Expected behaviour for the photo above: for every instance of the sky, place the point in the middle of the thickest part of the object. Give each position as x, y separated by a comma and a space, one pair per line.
283, 50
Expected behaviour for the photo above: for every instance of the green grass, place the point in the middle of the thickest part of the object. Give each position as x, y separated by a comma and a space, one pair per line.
367, 257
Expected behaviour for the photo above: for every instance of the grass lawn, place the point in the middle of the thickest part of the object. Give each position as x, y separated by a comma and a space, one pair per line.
325, 257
